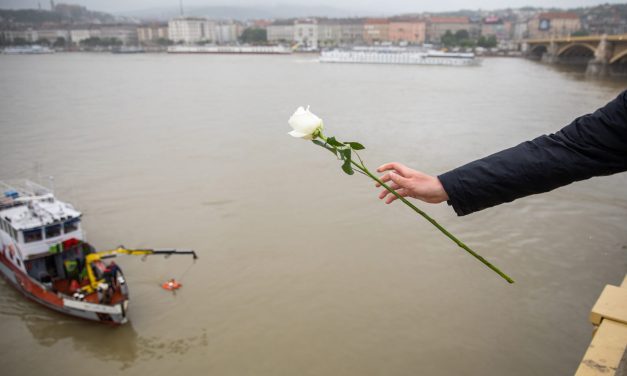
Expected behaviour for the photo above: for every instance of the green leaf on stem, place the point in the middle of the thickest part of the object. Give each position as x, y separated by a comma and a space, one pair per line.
333, 142
345, 154
356, 145
322, 144
347, 168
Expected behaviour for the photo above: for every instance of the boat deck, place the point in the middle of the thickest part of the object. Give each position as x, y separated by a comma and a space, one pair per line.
63, 286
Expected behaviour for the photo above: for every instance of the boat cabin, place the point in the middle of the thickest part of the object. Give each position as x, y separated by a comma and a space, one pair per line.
34, 227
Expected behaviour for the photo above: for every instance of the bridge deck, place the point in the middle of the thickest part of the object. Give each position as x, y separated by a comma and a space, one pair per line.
589, 38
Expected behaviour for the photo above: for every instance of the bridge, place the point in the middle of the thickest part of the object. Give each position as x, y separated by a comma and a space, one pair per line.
603, 54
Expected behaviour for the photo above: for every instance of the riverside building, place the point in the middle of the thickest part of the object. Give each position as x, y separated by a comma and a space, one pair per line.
191, 30
555, 24
306, 34
438, 26
412, 31
376, 30
152, 33
281, 31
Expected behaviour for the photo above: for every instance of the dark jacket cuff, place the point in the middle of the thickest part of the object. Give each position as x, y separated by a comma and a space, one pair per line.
453, 187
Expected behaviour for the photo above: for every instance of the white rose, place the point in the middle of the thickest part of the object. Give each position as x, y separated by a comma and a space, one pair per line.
305, 124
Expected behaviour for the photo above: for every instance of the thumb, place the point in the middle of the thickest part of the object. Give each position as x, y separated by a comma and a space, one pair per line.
401, 181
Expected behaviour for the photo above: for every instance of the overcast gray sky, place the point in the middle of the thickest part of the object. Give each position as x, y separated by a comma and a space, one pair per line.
384, 7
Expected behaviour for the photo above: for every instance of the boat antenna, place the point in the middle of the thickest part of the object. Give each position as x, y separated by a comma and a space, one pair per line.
181, 7
51, 179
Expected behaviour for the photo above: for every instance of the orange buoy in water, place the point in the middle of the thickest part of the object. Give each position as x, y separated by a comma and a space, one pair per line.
171, 285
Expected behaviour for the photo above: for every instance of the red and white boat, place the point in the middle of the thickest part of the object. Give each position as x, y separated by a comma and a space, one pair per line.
44, 255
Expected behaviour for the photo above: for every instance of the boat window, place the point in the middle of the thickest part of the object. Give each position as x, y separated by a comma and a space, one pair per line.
71, 225
52, 231
33, 235
14, 233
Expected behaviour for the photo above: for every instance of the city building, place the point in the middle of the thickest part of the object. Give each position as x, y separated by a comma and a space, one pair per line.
556, 24
147, 34
604, 19
520, 30
496, 27
438, 26
51, 35
27, 35
79, 35
191, 30
329, 32
227, 32
412, 31
376, 30
352, 30
127, 34
258, 24
306, 34
281, 31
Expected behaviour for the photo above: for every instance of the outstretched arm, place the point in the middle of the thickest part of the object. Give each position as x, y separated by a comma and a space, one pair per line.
592, 145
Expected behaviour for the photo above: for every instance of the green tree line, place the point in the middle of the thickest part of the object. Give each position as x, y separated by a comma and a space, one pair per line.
462, 38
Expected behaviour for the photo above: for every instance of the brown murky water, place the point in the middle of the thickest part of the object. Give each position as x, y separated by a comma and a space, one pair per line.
302, 270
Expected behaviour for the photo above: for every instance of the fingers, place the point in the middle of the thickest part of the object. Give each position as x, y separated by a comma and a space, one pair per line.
401, 181
391, 198
385, 178
400, 168
384, 192
398, 184
396, 178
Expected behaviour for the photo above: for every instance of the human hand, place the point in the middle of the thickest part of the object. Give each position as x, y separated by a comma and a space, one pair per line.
412, 183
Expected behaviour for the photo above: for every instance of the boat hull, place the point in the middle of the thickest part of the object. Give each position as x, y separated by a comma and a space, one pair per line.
33, 290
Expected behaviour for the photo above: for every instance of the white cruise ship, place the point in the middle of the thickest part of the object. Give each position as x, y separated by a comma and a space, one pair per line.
398, 56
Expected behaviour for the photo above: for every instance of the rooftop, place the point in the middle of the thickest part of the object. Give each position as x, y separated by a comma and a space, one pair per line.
450, 20
39, 212
555, 15
377, 21
30, 205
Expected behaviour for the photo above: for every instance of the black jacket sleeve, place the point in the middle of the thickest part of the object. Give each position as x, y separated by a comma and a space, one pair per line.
592, 145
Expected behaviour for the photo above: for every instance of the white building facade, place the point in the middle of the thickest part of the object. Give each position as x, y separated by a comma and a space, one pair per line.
280, 32
79, 35
329, 33
190, 30
306, 34
151, 33
227, 32
127, 34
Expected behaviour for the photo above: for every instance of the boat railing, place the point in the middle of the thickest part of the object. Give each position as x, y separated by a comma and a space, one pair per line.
13, 192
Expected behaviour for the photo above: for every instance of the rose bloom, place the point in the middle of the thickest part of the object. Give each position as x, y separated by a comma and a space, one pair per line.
306, 125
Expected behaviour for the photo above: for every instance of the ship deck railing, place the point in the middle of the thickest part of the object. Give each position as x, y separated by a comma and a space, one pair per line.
12, 191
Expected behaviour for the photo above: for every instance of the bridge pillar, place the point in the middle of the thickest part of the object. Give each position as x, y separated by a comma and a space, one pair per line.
550, 56
599, 66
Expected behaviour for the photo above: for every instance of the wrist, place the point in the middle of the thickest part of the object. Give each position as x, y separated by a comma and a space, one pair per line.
440, 194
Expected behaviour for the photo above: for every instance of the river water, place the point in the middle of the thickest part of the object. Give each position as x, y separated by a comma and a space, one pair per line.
302, 271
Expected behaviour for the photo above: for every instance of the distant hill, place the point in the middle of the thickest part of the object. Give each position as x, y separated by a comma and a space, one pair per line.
62, 14
244, 13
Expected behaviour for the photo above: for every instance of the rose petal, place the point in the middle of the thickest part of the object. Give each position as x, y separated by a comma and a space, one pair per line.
297, 134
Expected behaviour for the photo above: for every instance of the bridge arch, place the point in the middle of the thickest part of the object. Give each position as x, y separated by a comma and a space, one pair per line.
619, 57
538, 50
577, 50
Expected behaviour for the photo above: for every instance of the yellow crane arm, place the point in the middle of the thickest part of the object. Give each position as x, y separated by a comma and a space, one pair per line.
97, 256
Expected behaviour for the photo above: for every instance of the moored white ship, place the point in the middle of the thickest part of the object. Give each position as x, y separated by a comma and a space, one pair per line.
262, 50
398, 56
28, 50
44, 256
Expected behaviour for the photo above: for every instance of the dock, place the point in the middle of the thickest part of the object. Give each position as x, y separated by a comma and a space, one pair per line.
607, 354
